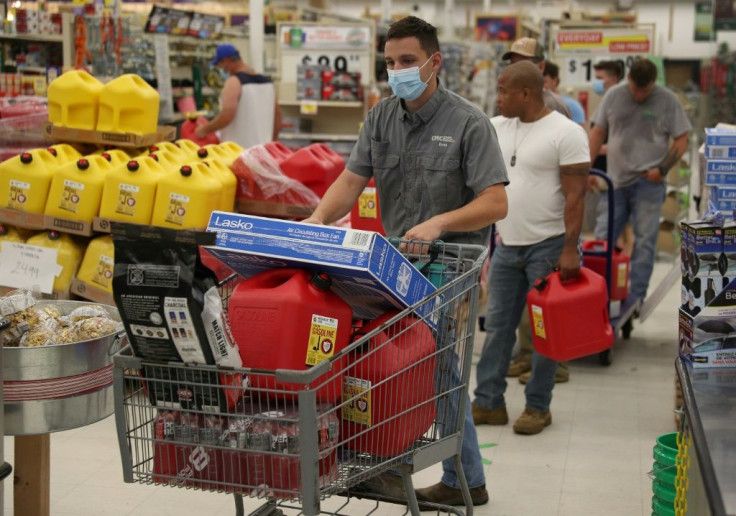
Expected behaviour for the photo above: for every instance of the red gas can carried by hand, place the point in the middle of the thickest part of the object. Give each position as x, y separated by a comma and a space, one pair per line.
189, 126
390, 386
290, 319
570, 319
620, 267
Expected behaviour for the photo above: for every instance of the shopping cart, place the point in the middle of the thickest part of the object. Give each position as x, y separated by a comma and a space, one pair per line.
394, 399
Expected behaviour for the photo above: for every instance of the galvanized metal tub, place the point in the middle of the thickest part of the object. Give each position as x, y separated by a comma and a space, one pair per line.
54, 388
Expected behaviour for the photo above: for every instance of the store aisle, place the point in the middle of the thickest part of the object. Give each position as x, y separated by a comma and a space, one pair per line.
593, 460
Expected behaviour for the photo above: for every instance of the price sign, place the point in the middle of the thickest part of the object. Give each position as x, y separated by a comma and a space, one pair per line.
578, 50
28, 266
335, 60
579, 71
308, 107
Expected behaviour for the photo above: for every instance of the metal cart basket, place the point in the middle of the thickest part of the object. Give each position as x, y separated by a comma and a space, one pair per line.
393, 399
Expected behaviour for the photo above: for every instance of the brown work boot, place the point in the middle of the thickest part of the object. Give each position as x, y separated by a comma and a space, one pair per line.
532, 421
486, 416
521, 365
386, 486
441, 494
561, 376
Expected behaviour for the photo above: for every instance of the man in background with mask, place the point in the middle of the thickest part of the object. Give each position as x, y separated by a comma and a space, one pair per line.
439, 175
607, 75
249, 113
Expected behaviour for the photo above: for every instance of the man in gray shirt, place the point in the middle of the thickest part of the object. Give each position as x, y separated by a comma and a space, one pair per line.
639, 118
439, 174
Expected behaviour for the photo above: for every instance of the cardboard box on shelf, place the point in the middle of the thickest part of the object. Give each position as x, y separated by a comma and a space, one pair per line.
75, 227
164, 133
367, 271
91, 293
22, 219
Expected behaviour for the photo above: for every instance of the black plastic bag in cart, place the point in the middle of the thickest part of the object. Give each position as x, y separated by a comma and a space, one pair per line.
172, 312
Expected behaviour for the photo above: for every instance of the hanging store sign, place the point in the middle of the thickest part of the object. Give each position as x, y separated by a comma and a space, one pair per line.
325, 38
578, 50
604, 41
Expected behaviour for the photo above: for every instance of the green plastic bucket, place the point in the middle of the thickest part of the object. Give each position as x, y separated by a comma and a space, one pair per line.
665, 451
664, 492
665, 474
662, 508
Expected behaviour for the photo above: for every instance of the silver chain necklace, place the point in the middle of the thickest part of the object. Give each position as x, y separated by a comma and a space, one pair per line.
516, 133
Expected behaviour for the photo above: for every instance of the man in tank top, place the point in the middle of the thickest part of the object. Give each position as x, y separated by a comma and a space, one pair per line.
439, 175
547, 159
249, 113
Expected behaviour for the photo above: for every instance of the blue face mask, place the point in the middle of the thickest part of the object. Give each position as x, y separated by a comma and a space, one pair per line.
407, 84
223, 74
598, 86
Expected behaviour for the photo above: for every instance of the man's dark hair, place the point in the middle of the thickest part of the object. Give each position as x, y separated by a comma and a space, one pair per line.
643, 72
413, 27
614, 68
551, 70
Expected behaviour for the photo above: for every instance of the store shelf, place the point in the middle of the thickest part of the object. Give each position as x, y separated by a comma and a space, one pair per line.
59, 38
322, 103
319, 136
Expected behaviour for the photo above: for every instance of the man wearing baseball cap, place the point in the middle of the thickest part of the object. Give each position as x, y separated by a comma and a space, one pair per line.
249, 113
529, 49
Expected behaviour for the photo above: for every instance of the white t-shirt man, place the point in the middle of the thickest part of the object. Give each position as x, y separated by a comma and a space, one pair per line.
536, 203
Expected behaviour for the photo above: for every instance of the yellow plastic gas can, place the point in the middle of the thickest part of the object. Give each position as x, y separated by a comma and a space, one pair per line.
76, 189
69, 255
180, 153
187, 198
98, 263
231, 148
189, 146
128, 104
130, 191
214, 151
116, 157
64, 152
73, 99
228, 180
25, 180
9, 234
170, 162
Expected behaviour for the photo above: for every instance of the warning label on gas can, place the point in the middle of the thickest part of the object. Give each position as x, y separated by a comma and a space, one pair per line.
367, 204
538, 322
322, 338
623, 274
356, 393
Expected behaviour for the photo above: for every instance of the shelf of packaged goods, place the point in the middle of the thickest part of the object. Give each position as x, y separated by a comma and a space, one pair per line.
317, 136
323, 103
57, 38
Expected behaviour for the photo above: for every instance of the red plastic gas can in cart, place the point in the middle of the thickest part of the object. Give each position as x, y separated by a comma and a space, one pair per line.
289, 319
366, 213
620, 267
390, 387
570, 319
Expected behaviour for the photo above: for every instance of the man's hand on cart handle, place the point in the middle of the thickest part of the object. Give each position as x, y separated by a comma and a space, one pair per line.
569, 264
427, 231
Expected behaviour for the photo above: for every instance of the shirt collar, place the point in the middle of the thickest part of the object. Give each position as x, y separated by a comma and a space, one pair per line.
427, 111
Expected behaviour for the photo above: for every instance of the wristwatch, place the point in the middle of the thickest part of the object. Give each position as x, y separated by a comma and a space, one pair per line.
662, 170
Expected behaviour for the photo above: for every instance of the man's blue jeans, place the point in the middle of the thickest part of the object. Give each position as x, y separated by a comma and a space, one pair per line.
448, 377
642, 203
514, 269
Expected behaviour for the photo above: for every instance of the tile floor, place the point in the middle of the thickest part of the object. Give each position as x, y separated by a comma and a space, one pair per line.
592, 461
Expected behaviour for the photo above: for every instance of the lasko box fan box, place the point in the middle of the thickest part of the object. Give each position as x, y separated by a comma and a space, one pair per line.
367, 271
